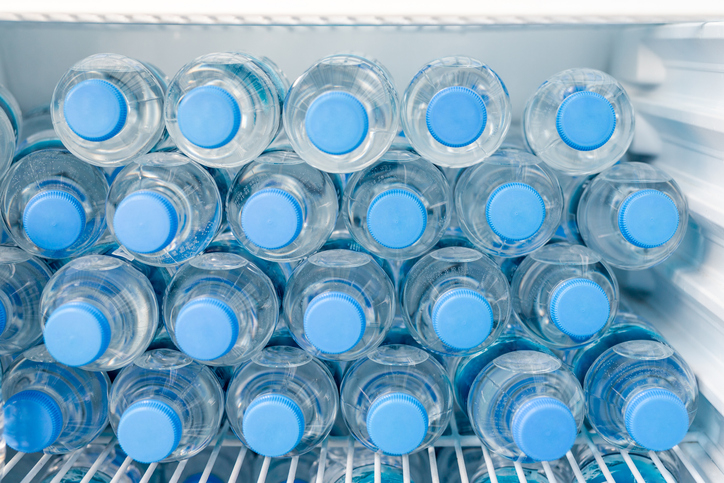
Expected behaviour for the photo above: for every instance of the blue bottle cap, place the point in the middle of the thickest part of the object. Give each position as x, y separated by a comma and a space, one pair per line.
648, 218
53, 220
462, 318
396, 218
656, 419
33, 421
273, 425
197, 477
515, 211
95, 110
544, 428
208, 116
456, 116
149, 431
3, 317
334, 322
336, 122
397, 423
76, 334
145, 222
206, 328
579, 307
272, 218
585, 120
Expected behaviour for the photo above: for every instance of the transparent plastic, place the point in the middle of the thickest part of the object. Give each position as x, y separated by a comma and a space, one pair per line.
11, 123
54, 204
399, 207
359, 130
580, 121
455, 301
602, 206
345, 332
573, 188
80, 397
37, 133
242, 95
565, 294
478, 99
188, 388
108, 468
122, 296
517, 193
191, 223
618, 467
280, 208
285, 374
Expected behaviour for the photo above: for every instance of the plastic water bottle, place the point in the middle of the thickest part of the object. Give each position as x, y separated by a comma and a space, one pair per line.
165, 407
83, 462
50, 407
634, 215
397, 400
619, 469
37, 133
456, 111
635, 386
399, 207
54, 204
526, 405
98, 313
509, 206
339, 304
164, 209
505, 471
341, 114
280, 208
565, 294
11, 121
108, 108
573, 188
220, 309
455, 301
283, 402
580, 121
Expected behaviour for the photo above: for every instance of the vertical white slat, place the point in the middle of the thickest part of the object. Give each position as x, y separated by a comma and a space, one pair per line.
549, 472
122, 470
597, 455
689, 466
237, 465
350, 461
576, 469
149, 473
405, 469
11, 464
66, 466
322, 461
459, 451
660, 466
489, 465
214, 453
177, 473
378, 469
631, 466
99, 461
36, 469
293, 469
519, 472
434, 476
264, 470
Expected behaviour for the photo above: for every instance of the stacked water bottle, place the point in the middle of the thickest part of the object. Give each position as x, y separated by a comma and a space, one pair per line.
226, 245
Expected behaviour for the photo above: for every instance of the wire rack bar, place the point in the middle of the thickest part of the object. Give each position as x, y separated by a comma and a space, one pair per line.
124, 466
632, 466
574, 466
36, 469
11, 464
519, 471
597, 455
237, 465
214, 453
350, 461
99, 461
688, 465
149, 473
177, 474
435, 477
489, 465
549, 472
660, 466
293, 469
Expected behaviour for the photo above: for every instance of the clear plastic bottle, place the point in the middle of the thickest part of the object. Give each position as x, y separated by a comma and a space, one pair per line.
37, 133
634, 215
99, 313
50, 407
573, 188
455, 301
619, 469
397, 400
165, 407
526, 405
509, 206
636, 385
280, 208
283, 402
399, 207
108, 108
580, 121
220, 309
339, 304
54, 204
565, 294
82, 464
456, 111
224, 109
11, 122
164, 209
341, 114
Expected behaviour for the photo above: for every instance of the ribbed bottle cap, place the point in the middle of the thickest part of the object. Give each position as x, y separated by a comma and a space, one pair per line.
273, 425
334, 322
33, 421
95, 110
462, 318
336, 122
579, 307
585, 120
145, 222
656, 419
53, 219
544, 428
397, 423
77, 333
456, 116
206, 328
648, 218
515, 211
272, 218
208, 116
396, 218
149, 431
